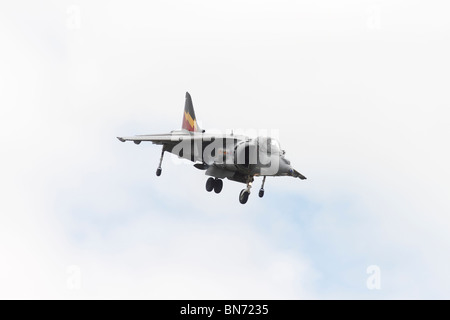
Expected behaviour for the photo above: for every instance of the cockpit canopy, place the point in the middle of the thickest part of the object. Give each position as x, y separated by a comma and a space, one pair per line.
269, 145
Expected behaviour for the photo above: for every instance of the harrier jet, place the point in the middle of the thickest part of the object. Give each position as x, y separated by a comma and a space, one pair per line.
235, 157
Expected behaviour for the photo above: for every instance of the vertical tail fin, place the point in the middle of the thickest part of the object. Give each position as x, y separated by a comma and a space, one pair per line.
189, 122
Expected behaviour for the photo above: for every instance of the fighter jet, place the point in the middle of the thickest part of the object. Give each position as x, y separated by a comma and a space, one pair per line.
235, 157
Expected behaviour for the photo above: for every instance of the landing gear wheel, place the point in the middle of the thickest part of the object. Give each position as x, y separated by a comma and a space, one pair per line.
243, 196
210, 184
261, 193
218, 185
158, 172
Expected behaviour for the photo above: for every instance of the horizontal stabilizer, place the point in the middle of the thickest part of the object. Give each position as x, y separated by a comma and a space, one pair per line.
297, 174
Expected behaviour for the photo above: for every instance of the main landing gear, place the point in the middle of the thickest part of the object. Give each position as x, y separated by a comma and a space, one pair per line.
214, 184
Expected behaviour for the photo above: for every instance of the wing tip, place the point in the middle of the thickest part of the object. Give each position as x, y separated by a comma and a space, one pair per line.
121, 139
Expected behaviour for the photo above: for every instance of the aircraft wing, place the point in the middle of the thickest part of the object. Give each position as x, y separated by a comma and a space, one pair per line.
185, 144
169, 138
175, 137
196, 142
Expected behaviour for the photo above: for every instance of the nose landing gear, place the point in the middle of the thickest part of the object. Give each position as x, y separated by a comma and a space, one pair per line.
243, 196
245, 193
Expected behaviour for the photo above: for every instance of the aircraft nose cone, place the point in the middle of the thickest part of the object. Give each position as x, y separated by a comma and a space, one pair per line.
285, 168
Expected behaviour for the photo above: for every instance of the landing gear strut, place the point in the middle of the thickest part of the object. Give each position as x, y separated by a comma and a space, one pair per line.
159, 170
261, 191
243, 196
214, 184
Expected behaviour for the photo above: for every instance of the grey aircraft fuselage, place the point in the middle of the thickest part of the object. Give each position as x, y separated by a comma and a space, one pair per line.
235, 157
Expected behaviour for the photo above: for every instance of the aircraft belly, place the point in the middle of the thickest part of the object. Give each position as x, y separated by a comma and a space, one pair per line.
219, 172
228, 167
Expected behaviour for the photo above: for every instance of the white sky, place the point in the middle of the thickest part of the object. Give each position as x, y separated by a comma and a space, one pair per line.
357, 89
